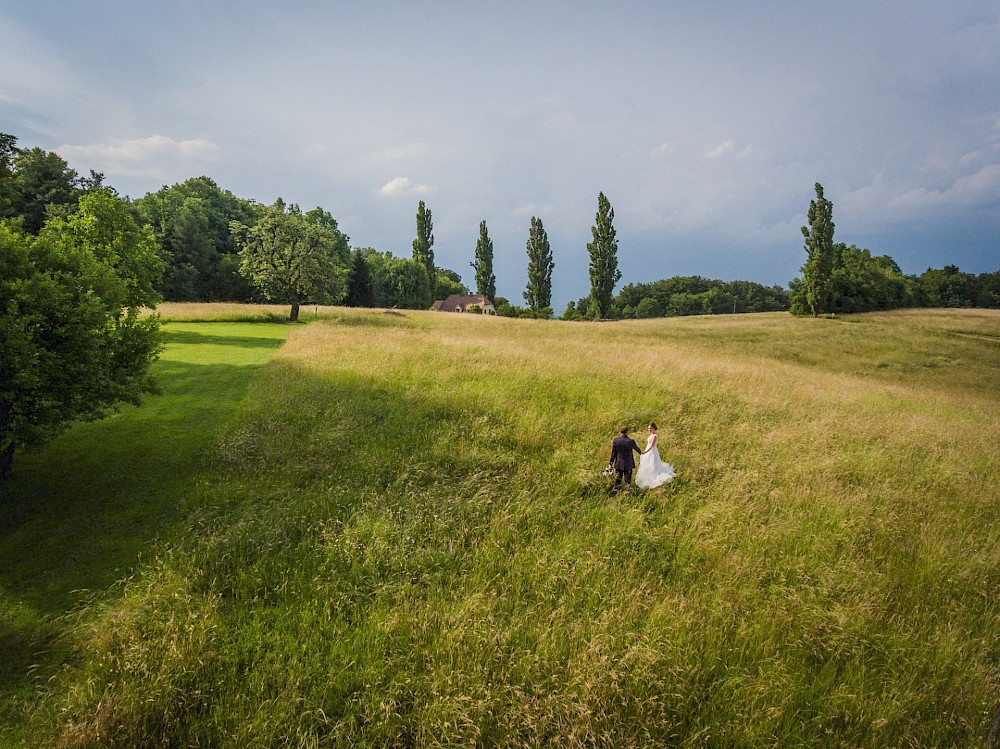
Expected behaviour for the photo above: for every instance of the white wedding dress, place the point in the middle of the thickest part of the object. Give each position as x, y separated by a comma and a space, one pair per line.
653, 472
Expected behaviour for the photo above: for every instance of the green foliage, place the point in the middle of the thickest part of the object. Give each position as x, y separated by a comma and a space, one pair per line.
504, 308
571, 312
73, 343
407, 283
380, 279
648, 307
950, 287
302, 258
398, 282
987, 290
486, 281
863, 283
37, 184
449, 282
360, 292
538, 295
8, 151
817, 273
423, 244
190, 221
694, 295
604, 273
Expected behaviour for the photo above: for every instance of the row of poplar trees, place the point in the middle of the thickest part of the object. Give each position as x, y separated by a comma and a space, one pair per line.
604, 273
538, 294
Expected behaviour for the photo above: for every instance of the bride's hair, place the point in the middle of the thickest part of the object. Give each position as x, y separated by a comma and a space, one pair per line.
653, 424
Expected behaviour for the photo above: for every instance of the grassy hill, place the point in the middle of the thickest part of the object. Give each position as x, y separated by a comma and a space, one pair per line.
395, 533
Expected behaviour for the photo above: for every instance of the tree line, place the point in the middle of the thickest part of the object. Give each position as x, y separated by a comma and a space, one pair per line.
841, 279
212, 246
686, 295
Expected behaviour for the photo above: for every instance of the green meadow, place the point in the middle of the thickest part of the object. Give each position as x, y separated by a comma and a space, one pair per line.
390, 530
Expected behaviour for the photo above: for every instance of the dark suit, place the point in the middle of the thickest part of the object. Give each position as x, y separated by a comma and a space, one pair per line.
622, 460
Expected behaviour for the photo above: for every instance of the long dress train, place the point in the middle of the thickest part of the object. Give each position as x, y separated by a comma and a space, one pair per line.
653, 472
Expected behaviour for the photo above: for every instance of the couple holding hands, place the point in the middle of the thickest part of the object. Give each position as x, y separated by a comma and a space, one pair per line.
652, 471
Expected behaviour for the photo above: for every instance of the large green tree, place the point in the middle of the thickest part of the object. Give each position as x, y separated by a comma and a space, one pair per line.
397, 282
817, 273
295, 256
423, 244
486, 281
604, 273
538, 294
862, 282
72, 341
190, 221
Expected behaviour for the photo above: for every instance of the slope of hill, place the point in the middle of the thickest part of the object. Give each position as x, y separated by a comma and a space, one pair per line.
402, 538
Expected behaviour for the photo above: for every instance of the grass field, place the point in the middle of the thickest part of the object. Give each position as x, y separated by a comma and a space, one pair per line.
395, 534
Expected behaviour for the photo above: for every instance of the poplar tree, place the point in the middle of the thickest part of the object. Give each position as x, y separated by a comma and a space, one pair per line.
604, 273
486, 282
817, 273
540, 264
422, 245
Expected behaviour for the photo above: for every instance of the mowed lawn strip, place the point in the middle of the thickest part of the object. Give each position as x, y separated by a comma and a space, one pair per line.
84, 508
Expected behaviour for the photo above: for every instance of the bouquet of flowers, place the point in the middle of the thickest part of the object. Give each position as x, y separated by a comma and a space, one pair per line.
608, 472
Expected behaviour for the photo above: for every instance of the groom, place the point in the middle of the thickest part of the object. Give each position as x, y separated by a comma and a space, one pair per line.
621, 459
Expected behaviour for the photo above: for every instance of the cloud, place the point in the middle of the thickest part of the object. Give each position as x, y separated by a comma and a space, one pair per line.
727, 146
971, 190
156, 155
662, 150
403, 186
721, 150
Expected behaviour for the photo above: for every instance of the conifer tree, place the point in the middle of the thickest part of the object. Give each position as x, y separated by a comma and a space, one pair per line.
817, 273
604, 273
360, 292
486, 282
422, 245
540, 265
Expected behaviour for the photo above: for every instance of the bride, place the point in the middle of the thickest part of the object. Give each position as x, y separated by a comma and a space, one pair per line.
652, 471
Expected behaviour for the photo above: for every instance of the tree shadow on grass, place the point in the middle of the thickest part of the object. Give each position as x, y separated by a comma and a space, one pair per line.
81, 509
241, 341
101, 487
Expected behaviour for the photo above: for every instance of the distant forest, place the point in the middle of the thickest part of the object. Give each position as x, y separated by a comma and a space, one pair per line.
861, 283
191, 222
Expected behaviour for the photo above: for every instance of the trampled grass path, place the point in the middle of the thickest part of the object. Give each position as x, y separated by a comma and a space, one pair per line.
400, 537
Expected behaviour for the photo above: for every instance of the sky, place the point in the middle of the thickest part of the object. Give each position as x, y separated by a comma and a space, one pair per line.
705, 124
